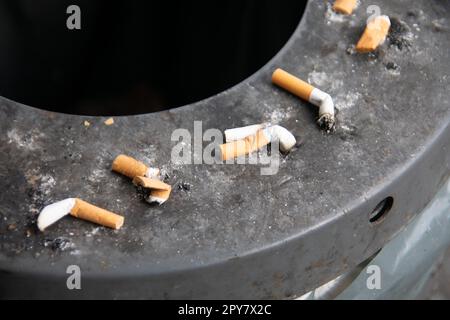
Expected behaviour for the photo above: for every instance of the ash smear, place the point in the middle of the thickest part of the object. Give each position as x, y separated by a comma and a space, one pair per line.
47, 184
347, 100
142, 193
184, 186
278, 115
333, 16
318, 79
24, 141
40, 190
323, 81
96, 175
393, 68
400, 35
148, 155
58, 244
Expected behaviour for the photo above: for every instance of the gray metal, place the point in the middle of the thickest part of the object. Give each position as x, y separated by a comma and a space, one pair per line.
235, 233
405, 264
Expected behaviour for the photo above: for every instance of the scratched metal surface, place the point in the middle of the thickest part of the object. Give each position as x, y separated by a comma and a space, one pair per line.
237, 233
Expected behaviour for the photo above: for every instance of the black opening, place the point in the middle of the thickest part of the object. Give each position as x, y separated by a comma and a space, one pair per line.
380, 211
135, 57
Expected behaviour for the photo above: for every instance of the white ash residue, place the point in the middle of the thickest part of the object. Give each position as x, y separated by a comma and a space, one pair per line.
333, 16
47, 184
347, 100
26, 141
276, 116
41, 188
324, 82
318, 79
148, 155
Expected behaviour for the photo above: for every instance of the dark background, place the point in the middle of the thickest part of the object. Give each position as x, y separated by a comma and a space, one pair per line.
135, 56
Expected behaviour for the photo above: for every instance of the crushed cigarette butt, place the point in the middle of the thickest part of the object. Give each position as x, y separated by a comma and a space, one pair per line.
79, 209
132, 168
109, 121
159, 191
86, 123
345, 6
374, 35
307, 92
256, 141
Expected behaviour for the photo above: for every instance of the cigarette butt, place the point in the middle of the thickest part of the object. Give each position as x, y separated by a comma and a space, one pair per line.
109, 121
374, 35
307, 92
344, 6
86, 123
151, 183
245, 146
89, 212
129, 167
160, 191
292, 84
80, 209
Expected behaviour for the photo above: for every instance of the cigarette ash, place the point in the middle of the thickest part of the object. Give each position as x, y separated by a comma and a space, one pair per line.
347, 100
143, 193
27, 141
40, 189
58, 244
324, 81
400, 35
333, 16
392, 67
184, 186
276, 116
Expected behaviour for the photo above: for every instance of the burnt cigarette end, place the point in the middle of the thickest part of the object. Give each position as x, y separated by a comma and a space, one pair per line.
155, 190
309, 93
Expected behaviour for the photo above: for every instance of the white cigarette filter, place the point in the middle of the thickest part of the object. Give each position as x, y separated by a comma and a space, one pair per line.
256, 141
242, 132
159, 191
131, 167
309, 93
78, 209
374, 35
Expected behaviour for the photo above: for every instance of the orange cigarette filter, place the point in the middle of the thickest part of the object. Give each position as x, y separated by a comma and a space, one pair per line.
344, 6
245, 146
89, 212
151, 183
129, 167
374, 34
292, 84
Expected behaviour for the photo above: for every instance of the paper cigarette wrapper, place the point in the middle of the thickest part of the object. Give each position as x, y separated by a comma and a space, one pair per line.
129, 167
374, 34
245, 146
89, 212
292, 84
344, 6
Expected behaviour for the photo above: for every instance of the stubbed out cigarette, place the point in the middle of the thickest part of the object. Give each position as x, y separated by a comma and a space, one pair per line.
307, 92
159, 192
79, 209
256, 141
131, 167
374, 35
344, 6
